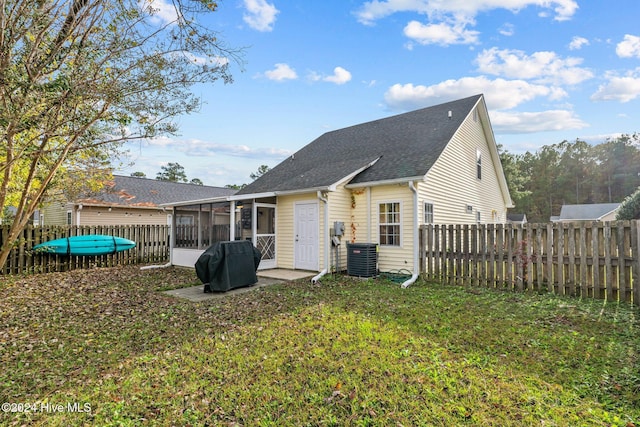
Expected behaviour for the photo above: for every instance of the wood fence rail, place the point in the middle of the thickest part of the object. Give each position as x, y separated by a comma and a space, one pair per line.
589, 260
152, 246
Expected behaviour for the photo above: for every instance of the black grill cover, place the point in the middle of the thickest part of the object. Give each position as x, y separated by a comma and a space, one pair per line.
228, 265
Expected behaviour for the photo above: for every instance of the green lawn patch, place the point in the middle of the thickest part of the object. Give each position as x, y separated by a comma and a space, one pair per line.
106, 347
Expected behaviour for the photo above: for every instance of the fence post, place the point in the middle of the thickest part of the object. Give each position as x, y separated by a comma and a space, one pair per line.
624, 273
474, 255
538, 232
635, 250
466, 266
491, 246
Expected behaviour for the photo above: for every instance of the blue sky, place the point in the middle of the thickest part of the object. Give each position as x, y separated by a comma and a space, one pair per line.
550, 70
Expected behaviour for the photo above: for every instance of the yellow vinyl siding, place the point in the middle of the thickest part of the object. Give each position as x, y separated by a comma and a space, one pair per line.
452, 182
393, 257
285, 227
339, 211
356, 227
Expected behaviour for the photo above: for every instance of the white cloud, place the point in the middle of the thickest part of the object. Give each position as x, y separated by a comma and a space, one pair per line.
442, 33
629, 47
200, 148
377, 9
499, 93
507, 30
216, 61
529, 122
340, 76
619, 88
600, 138
578, 42
260, 15
281, 73
542, 67
162, 11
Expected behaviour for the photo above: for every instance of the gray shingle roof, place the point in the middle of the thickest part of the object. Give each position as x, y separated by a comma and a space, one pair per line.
587, 211
142, 192
407, 145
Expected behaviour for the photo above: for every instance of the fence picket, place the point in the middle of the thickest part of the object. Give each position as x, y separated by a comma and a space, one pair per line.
152, 245
635, 272
590, 260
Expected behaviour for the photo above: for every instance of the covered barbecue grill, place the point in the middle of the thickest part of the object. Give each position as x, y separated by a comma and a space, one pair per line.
228, 265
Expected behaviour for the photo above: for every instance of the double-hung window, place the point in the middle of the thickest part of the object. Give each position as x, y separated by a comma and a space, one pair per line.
390, 223
428, 213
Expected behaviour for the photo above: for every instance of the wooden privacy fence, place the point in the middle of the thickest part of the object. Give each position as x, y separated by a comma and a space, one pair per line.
590, 260
152, 246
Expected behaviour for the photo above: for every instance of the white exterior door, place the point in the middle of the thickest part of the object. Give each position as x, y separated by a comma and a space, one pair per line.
306, 236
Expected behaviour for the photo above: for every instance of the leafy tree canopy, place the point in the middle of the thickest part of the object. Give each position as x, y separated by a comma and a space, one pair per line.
261, 171
78, 78
630, 207
572, 173
172, 172
254, 175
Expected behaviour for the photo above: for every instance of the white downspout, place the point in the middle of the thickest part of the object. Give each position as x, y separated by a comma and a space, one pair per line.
326, 239
416, 244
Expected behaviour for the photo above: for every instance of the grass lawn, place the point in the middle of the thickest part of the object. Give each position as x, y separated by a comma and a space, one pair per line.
106, 347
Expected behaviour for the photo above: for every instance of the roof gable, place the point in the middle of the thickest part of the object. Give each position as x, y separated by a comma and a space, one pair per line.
143, 192
405, 146
592, 211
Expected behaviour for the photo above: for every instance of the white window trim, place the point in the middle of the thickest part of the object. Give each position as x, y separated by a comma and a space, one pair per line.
424, 211
478, 164
400, 207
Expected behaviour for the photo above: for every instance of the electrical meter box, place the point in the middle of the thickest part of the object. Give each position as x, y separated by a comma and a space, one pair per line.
338, 228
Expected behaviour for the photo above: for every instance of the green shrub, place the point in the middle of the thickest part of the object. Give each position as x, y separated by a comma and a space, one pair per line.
630, 207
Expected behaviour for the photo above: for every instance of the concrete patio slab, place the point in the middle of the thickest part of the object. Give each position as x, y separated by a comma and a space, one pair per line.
197, 294
265, 278
286, 275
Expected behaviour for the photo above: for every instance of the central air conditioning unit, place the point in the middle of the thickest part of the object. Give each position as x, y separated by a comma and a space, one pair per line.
362, 259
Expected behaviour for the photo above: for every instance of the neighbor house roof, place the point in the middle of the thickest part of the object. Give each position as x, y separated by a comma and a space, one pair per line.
142, 192
586, 212
400, 147
517, 217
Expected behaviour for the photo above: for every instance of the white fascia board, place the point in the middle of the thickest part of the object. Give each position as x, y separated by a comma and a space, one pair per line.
196, 202
249, 196
387, 182
302, 191
236, 197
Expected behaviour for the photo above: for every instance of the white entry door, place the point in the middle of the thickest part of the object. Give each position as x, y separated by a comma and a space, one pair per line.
306, 236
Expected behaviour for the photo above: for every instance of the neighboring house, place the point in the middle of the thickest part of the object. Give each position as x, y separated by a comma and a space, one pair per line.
587, 212
516, 218
381, 180
129, 200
